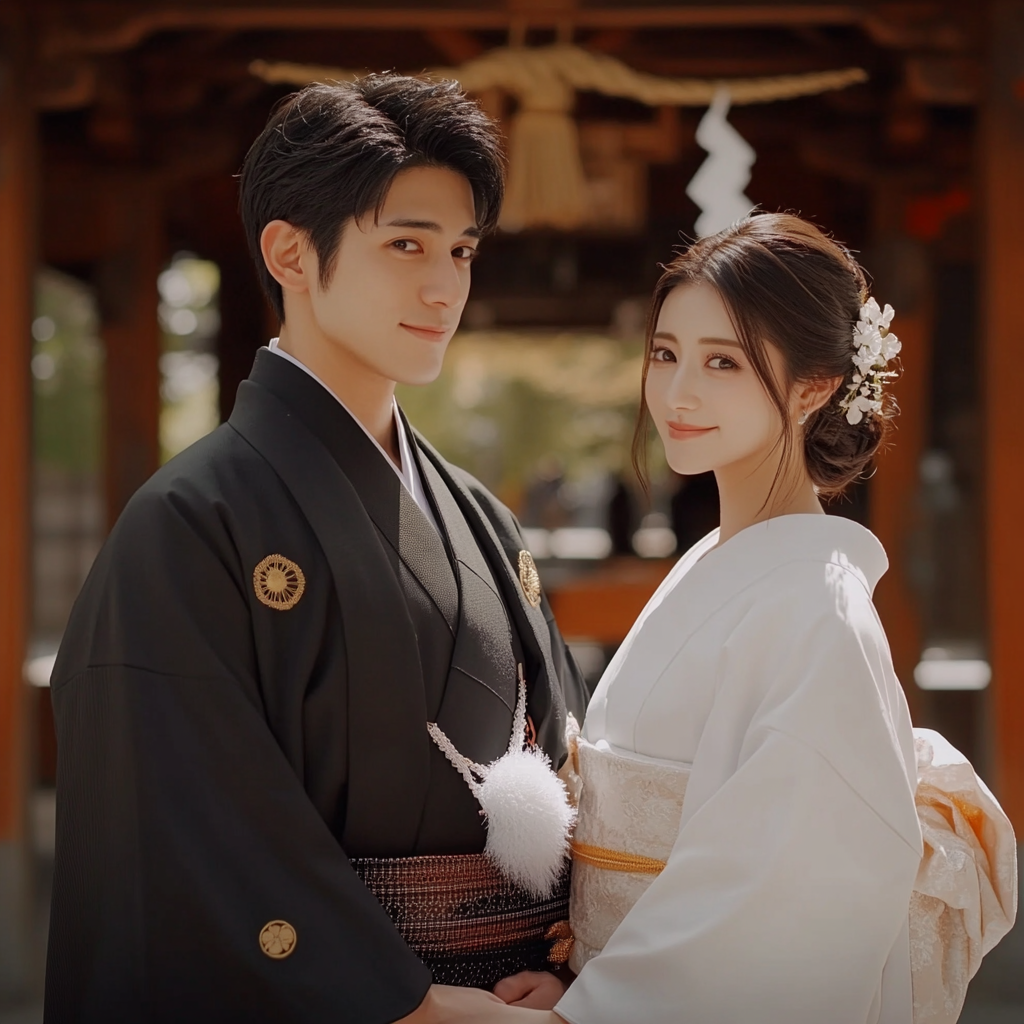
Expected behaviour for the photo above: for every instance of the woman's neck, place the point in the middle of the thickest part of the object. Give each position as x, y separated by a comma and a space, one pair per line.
750, 494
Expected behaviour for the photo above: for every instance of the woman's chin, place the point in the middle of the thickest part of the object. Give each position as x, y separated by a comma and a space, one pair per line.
686, 463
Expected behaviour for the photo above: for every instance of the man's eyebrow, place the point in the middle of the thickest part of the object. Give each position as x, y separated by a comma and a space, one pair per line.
429, 225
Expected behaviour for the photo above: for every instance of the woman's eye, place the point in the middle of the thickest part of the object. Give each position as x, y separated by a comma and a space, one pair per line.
662, 355
407, 245
464, 252
721, 363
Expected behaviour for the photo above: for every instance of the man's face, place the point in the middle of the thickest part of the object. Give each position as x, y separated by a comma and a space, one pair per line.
399, 285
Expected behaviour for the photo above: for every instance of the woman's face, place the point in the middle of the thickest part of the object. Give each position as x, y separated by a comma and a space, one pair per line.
706, 399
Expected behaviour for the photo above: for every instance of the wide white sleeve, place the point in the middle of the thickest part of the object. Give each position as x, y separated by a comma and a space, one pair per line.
789, 883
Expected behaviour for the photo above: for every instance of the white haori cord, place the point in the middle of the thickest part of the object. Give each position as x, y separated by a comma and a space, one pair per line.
528, 815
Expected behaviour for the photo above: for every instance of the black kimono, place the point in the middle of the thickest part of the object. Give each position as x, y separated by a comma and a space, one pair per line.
241, 701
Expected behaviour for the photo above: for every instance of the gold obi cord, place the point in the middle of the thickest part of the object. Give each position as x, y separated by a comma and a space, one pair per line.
613, 860
464, 919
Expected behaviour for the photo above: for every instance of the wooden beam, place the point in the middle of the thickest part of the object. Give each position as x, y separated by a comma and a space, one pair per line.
1002, 151
137, 26
83, 217
127, 293
17, 266
457, 46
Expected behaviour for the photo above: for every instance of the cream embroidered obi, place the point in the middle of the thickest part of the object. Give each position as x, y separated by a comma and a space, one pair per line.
965, 897
630, 807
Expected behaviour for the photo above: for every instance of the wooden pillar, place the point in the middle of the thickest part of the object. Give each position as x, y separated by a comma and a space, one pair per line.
1002, 169
901, 274
17, 264
127, 292
243, 323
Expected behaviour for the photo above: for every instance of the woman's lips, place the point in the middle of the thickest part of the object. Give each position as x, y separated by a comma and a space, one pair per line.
426, 333
685, 432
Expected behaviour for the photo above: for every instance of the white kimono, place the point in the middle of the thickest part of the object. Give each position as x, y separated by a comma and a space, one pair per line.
761, 667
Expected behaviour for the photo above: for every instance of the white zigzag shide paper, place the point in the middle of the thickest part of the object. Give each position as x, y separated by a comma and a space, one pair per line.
717, 187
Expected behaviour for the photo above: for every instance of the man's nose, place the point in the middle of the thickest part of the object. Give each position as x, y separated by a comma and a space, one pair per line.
445, 285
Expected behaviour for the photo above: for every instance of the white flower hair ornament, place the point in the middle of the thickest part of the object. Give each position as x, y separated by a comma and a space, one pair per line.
874, 348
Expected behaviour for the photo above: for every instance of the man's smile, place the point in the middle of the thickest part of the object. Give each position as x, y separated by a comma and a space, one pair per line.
427, 333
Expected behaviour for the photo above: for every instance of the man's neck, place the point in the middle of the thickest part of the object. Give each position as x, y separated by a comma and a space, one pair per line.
367, 396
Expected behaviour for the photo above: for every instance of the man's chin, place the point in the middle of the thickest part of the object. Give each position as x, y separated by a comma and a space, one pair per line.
417, 376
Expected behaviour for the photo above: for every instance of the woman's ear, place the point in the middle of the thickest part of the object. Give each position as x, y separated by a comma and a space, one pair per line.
285, 252
810, 396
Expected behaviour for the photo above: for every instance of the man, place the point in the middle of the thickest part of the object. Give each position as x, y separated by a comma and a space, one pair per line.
243, 690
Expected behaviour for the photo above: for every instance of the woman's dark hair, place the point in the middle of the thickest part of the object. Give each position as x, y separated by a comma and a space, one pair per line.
784, 282
329, 153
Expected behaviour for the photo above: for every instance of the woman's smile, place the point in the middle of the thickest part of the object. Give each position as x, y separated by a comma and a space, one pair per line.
686, 431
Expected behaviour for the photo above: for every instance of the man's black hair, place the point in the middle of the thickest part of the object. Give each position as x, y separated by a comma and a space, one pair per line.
329, 153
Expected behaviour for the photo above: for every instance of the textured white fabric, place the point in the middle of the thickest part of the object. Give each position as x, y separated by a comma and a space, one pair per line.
629, 804
965, 896
408, 472
785, 898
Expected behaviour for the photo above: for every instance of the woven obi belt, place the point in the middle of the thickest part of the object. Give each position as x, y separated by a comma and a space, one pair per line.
464, 920
629, 812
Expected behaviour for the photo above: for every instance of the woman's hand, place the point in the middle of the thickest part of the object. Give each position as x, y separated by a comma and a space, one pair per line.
534, 990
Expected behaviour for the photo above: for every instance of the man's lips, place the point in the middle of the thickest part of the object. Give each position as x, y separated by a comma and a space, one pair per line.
426, 333
686, 431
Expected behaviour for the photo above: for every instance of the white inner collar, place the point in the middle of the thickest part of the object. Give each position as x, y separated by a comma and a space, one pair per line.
408, 472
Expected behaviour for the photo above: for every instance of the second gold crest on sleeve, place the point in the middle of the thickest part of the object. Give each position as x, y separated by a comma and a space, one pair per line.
529, 578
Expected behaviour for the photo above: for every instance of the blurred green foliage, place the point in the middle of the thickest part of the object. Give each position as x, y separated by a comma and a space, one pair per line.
189, 320
507, 400
67, 374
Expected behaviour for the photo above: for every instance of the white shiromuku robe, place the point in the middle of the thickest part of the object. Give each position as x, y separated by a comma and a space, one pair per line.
761, 666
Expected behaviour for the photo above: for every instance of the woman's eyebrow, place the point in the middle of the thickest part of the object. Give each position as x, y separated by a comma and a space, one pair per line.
669, 336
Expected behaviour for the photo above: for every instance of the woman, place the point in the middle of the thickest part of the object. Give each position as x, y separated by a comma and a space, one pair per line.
757, 681
761, 663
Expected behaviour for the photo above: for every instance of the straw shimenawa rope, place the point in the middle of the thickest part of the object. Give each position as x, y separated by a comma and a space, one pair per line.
546, 184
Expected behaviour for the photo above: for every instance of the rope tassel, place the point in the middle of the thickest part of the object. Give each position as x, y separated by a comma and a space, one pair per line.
526, 808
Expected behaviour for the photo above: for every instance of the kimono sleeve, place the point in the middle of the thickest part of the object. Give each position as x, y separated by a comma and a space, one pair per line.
785, 897
182, 829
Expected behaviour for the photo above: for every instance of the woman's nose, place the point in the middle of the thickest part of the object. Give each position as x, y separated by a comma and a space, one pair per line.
682, 391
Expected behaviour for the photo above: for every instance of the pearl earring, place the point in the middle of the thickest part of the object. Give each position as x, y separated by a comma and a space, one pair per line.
803, 418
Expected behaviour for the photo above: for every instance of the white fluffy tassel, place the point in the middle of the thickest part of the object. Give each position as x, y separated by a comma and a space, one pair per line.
528, 819
528, 813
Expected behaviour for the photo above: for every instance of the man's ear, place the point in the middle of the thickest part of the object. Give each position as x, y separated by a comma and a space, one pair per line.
287, 253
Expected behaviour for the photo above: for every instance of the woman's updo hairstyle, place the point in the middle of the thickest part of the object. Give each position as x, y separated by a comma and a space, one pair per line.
785, 282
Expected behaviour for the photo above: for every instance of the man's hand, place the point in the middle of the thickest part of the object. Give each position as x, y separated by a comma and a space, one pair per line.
447, 1004
534, 990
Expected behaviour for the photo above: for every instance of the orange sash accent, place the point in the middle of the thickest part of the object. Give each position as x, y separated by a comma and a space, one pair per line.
613, 860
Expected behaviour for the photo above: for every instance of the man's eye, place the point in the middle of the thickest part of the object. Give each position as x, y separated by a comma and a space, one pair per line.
464, 252
407, 245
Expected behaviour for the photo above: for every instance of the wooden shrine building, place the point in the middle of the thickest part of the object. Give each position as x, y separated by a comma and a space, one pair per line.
122, 123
